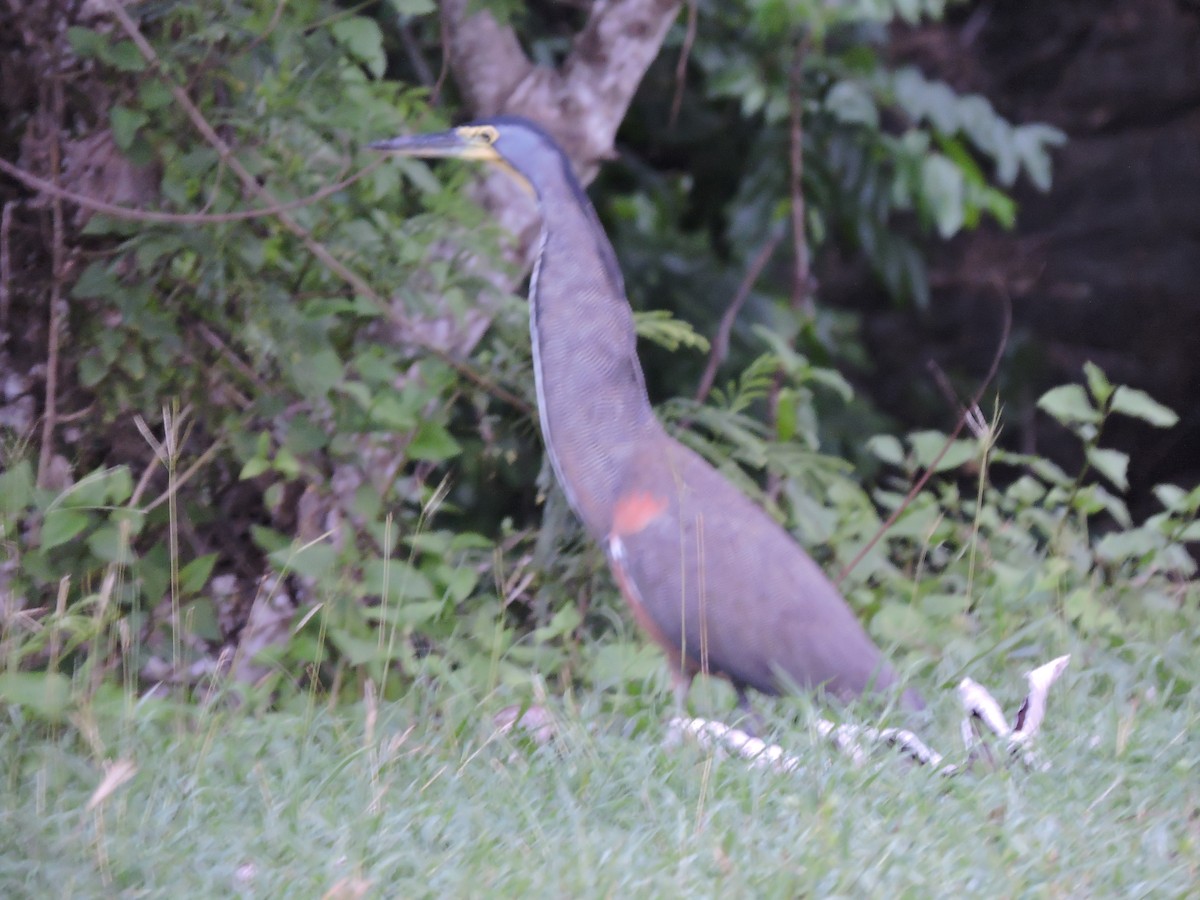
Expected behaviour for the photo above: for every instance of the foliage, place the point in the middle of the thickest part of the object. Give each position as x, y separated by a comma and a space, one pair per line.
269, 448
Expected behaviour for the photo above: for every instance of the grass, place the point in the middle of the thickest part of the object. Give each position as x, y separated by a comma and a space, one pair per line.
423, 798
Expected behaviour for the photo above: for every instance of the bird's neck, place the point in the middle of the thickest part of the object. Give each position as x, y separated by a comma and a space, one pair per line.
592, 400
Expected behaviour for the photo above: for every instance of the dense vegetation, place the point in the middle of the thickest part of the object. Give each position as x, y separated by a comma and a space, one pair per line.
270, 428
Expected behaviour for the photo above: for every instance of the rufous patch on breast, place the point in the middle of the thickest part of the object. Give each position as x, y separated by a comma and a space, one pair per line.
635, 511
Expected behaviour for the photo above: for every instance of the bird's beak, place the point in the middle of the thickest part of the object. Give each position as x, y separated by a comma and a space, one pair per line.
466, 142
443, 144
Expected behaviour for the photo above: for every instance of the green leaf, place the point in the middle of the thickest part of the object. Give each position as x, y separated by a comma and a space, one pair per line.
201, 619
194, 575
944, 191
316, 373
254, 467
412, 7
405, 584
1098, 383
1140, 405
433, 442
658, 326
125, 123
850, 103
406, 615
1068, 404
107, 543
565, 621
125, 57
928, 444
1112, 464
364, 41
310, 561
62, 525
16, 488
45, 694
120, 484
886, 448
86, 43
393, 411
1119, 546
92, 370
269, 539
418, 173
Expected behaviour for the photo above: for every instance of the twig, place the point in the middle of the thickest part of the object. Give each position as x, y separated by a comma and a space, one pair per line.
802, 293
720, 342
128, 213
436, 94
949, 442
975, 422
58, 249
412, 50
685, 53
5, 263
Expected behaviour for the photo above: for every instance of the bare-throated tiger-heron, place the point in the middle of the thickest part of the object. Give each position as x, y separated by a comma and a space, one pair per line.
707, 573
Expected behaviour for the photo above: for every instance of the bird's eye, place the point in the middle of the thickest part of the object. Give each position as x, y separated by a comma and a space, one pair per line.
481, 134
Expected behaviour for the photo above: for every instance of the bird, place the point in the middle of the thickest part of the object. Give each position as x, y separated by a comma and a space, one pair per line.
722, 587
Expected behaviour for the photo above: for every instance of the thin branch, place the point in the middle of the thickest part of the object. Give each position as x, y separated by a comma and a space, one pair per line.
43, 186
412, 49
5, 263
685, 53
57, 274
949, 442
802, 288
720, 342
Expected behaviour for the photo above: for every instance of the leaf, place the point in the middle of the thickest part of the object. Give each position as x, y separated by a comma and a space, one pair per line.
928, 444
1122, 545
850, 103
433, 442
202, 621
1098, 383
85, 42
412, 7
1112, 464
406, 615
1032, 142
1140, 405
1068, 404
658, 326
418, 173
194, 575
405, 583
45, 694
565, 621
316, 373
62, 525
107, 543
886, 448
120, 484
253, 468
125, 123
124, 56
310, 560
16, 488
362, 38
944, 191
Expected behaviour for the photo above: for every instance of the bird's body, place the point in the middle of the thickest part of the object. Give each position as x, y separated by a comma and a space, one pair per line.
707, 573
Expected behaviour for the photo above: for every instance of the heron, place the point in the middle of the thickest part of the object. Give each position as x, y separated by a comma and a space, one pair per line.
706, 572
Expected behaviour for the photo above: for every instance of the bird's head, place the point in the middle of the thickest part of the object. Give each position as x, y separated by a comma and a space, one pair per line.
511, 143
